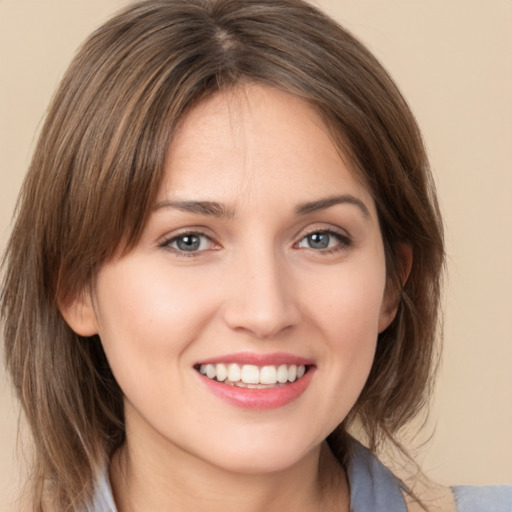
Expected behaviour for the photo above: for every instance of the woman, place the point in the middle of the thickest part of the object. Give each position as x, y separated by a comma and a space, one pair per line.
227, 250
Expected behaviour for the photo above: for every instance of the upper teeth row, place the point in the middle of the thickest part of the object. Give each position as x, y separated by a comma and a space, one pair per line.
252, 374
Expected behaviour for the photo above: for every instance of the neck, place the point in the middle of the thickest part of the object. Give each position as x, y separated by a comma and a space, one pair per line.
141, 482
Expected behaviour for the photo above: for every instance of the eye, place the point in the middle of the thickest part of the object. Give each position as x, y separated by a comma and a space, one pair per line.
189, 243
324, 240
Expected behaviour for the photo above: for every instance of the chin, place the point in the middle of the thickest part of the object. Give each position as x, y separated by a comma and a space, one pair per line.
253, 457
259, 464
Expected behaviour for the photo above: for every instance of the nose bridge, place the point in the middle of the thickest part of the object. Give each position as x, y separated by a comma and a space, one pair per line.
262, 301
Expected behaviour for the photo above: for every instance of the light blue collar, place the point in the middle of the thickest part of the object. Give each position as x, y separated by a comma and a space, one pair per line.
373, 488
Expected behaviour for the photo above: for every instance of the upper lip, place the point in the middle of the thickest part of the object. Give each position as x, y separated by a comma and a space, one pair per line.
241, 358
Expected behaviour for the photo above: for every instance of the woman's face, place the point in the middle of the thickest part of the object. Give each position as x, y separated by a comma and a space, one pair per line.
262, 265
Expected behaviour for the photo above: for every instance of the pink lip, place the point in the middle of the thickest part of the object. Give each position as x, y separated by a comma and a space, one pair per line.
259, 399
275, 359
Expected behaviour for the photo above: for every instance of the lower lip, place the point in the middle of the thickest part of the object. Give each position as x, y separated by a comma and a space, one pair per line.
259, 399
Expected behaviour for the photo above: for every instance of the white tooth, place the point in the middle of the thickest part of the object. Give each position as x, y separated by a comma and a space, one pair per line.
292, 373
250, 374
202, 369
234, 373
222, 372
301, 370
282, 374
268, 375
210, 371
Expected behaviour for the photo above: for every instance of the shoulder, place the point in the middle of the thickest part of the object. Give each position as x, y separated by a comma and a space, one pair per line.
493, 498
373, 488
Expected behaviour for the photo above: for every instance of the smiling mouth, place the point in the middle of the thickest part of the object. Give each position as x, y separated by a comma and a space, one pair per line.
253, 376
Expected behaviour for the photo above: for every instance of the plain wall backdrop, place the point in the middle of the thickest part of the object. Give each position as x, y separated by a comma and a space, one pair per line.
452, 61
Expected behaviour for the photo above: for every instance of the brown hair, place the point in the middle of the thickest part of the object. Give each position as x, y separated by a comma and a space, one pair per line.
98, 166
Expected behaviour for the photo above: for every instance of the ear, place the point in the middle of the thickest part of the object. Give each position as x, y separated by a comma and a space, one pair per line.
392, 297
79, 314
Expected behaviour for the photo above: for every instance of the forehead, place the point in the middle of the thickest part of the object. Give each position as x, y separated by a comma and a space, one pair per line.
255, 141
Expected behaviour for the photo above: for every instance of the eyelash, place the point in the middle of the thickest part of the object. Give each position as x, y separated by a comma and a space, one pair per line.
167, 244
344, 242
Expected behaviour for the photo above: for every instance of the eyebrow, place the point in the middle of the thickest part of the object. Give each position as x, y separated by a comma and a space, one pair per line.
215, 209
323, 204
208, 208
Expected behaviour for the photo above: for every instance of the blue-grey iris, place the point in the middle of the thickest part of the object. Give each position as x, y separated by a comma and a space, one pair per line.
188, 243
318, 240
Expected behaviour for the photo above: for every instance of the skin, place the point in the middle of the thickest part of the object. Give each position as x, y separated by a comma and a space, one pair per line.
256, 284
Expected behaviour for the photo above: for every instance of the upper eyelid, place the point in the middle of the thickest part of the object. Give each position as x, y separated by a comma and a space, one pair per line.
186, 231
342, 238
335, 230
166, 241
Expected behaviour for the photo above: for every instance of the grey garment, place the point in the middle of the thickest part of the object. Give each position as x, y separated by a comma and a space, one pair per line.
493, 498
373, 488
103, 500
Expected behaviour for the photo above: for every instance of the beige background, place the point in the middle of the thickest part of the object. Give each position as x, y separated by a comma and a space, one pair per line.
452, 59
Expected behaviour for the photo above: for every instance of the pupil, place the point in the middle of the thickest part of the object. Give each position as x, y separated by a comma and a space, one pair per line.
188, 243
319, 240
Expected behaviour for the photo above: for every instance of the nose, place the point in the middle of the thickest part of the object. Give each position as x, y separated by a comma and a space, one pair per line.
263, 300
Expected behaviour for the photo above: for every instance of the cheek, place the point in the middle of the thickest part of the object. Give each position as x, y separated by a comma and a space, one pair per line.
348, 300
351, 331
346, 315
147, 318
